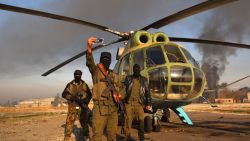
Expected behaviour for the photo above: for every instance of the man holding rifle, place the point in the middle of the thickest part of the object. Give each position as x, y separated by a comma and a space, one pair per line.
78, 95
106, 95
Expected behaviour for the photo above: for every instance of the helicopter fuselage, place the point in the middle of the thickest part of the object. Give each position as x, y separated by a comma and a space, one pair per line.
175, 78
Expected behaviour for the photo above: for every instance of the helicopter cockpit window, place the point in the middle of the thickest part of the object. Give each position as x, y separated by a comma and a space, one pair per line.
190, 58
174, 54
181, 74
197, 80
138, 58
124, 66
154, 56
179, 89
158, 81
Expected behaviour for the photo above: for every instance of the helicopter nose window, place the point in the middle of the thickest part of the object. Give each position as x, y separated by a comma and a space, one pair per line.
158, 81
180, 89
198, 80
154, 56
138, 58
181, 74
174, 54
190, 58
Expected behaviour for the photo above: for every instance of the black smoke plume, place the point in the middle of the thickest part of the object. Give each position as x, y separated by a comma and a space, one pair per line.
227, 23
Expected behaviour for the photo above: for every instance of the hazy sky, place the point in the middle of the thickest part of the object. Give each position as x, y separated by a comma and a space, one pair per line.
31, 45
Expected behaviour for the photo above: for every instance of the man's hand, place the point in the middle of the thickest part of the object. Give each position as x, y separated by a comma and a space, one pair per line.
90, 42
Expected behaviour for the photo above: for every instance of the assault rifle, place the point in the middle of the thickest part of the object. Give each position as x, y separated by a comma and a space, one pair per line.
115, 94
77, 99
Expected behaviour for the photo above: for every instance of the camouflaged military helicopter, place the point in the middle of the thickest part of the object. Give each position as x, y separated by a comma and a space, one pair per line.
174, 76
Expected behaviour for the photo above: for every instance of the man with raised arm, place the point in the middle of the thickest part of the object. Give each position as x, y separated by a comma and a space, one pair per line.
105, 110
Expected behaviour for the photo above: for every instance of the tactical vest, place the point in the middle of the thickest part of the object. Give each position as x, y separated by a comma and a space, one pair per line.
73, 89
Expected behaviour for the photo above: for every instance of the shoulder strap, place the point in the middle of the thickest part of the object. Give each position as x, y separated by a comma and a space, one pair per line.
102, 69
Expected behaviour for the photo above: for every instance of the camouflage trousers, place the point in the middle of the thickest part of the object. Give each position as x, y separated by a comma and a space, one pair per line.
83, 115
105, 117
134, 111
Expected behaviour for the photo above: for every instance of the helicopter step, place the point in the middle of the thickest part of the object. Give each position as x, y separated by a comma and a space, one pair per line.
182, 115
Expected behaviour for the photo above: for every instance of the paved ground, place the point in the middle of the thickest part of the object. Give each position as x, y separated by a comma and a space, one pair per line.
209, 125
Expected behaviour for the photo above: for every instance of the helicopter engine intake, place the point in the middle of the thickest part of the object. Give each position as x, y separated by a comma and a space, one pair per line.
160, 37
141, 37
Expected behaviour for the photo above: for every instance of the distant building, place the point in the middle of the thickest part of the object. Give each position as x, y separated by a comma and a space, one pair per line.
248, 96
239, 96
42, 102
59, 102
224, 100
242, 94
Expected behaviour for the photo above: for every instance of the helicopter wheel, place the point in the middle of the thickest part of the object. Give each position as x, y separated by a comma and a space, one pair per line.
148, 124
157, 125
166, 115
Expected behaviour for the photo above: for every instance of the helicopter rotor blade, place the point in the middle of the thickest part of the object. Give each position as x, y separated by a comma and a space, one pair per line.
222, 87
61, 18
78, 56
204, 6
202, 41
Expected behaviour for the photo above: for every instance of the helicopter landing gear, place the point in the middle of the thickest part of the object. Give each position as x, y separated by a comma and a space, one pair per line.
148, 124
156, 123
152, 123
166, 115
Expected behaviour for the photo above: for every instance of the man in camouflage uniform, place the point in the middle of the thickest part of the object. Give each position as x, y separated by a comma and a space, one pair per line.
105, 110
137, 96
78, 95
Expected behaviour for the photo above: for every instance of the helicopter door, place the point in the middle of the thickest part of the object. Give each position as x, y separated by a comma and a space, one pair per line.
124, 67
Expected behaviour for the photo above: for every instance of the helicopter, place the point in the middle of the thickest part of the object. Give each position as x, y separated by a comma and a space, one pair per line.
175, 78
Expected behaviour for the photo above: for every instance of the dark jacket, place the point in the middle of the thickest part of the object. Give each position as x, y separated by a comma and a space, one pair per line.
71, 90
145, 95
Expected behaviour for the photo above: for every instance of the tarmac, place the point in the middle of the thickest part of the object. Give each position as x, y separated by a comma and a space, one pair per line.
209, 125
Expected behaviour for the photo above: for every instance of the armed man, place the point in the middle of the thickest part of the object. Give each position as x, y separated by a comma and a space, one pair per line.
78, 95
137, 97
105, 94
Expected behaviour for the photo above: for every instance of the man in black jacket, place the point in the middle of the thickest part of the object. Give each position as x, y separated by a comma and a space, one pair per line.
78, 95
137, 98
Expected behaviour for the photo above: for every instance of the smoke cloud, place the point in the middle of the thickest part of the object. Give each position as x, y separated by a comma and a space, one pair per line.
224, 24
